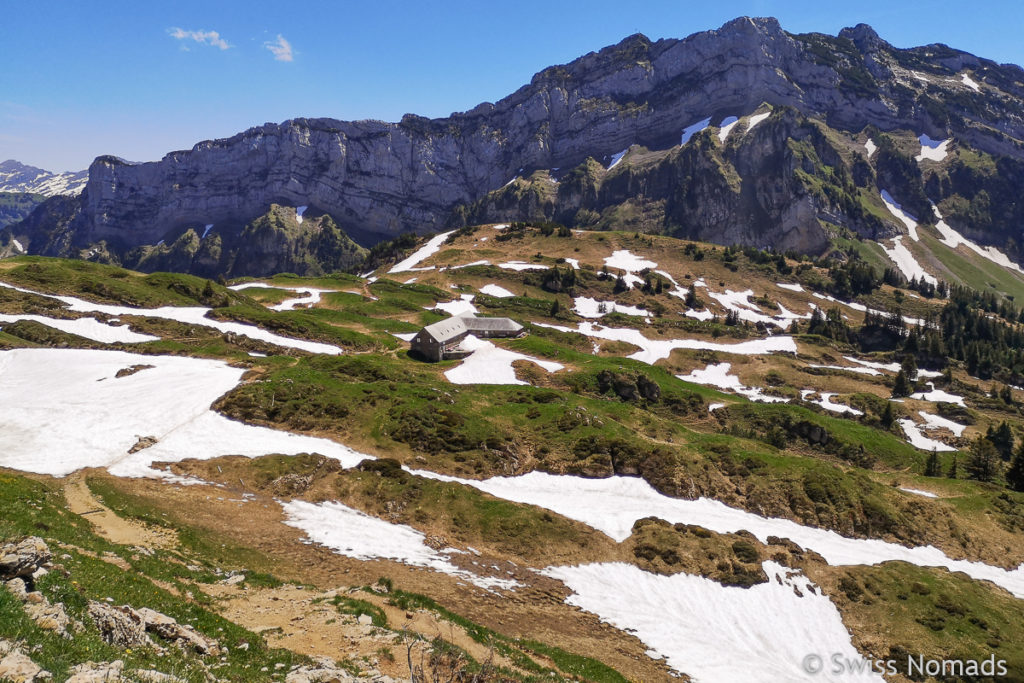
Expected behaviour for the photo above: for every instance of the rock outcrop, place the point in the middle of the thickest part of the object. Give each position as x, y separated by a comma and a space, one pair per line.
125, 626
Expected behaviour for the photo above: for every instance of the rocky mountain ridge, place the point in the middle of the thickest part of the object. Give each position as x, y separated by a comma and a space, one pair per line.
17, 177
378, 180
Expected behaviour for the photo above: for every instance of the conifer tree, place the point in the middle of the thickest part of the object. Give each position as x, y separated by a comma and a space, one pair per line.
901, 386
983, 460
1015, 475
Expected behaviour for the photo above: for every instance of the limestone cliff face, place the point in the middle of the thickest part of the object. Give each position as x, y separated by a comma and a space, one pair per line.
378, 180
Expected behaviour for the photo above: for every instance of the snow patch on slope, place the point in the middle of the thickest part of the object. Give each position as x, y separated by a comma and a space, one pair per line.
65, 409
357, 535
933, 150
613, 504
716, 633
653, 350
905, 261
756, 119
191, 315
432, 246
592, 308
90, 328
490, 364
717, 375
496, 290
952, 239
693, 129
917, 439
725, 127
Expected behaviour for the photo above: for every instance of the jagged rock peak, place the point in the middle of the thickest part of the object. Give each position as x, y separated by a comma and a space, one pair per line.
749, 26
864, 37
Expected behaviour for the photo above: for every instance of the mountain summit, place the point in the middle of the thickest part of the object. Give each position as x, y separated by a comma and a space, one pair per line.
745, 134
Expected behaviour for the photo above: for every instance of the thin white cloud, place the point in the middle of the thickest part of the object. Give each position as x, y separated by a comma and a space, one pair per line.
211, 38
281, 49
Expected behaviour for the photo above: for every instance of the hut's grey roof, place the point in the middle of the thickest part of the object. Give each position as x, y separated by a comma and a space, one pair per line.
492, 324
447, 329
450, 328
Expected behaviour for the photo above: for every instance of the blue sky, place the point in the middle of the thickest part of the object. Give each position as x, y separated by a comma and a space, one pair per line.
139, 79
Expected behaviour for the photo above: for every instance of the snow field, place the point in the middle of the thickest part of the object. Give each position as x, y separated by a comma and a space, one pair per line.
191, 315
90, 328
693, 129
490, 364
756, 119
616, 158
651, 350
905, 261
825, 401
725, 127
970, 82
716, 633
65, 409
717, 375
938, 396
933, 150
432, 246
613, 504
522, 265
592, 308
917, 439
952, 239
460, 306
357, 535
496, 290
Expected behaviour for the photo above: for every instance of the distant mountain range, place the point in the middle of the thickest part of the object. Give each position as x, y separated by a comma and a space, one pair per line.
747, 134
18, 177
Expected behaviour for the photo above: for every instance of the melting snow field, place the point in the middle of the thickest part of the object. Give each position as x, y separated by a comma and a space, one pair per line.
460, 306
613, 504
191, 315
623, 259
756, 119
825, 401
616, 158
653, 350
310, 295
918, 440
870, 147
490, 364
970, 82
897, 210
65, 409
740, 304
933, 150
792, 288
717, 375
939, 422
299, 210
496, 290
728, 123
716, 633
905, 261
355, 534
938, 396
522, 265
919, 492
432, 246
952, 239
90, 328
693, 129
592, 308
